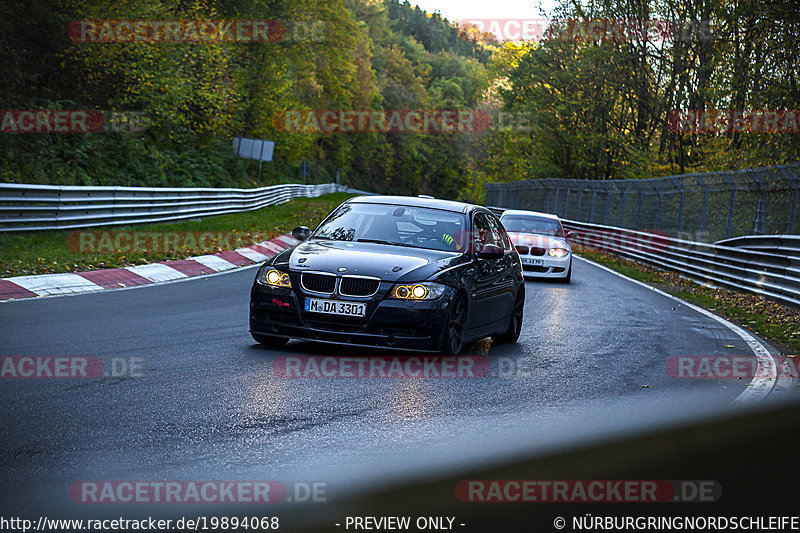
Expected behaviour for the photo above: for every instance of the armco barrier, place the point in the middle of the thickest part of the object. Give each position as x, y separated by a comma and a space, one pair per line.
41, 207
768, 265
788, 245
764, 265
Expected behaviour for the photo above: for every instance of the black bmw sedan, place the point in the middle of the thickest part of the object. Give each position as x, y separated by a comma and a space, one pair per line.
393, 272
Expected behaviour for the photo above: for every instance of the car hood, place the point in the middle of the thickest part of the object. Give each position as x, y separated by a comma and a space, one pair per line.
387, 262
537, 241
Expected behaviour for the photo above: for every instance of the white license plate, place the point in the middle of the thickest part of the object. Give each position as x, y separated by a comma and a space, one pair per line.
335, 307
533, 262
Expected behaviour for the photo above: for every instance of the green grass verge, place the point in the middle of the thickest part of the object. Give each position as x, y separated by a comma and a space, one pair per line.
46, 252
768, 319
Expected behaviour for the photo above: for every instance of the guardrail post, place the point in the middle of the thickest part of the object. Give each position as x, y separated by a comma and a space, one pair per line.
682, 191
545, 199
704, 208
658, 209
60, 201
555, 200
794, 185
731, 207
759, 225
639, 208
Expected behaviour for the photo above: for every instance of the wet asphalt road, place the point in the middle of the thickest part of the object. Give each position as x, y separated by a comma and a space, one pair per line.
210, 407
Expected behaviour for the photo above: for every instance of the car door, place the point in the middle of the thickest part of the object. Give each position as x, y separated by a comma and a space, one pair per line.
507, 268
487, 299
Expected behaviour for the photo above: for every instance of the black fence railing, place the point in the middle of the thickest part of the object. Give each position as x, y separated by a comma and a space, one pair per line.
699, 207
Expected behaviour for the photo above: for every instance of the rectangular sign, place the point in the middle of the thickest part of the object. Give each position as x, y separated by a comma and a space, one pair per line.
258, 149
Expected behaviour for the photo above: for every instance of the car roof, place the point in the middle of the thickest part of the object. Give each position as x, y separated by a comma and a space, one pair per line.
528, 213
414, 201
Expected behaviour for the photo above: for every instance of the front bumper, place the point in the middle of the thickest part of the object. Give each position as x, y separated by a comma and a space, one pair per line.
397, 324
550, 267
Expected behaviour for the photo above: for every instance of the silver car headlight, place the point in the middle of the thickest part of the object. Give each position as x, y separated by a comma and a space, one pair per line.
558, 252
417, 291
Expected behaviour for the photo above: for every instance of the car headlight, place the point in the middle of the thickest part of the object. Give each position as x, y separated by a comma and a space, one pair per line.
417, 291
273, 278
558, 252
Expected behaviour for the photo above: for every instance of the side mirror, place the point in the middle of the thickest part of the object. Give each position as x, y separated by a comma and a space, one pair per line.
490, 251
301, 233
569, 235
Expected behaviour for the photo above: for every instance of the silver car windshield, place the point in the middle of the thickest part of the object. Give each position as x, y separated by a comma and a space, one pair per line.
532, 224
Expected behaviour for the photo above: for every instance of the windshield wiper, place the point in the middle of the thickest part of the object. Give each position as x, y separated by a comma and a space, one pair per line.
391, 243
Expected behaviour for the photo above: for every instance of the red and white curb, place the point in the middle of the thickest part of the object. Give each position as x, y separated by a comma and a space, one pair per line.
23, 287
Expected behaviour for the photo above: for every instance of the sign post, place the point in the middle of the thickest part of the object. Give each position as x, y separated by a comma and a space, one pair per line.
304, 170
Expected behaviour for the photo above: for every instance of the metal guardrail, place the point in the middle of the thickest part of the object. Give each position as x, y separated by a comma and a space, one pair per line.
764, 271
788, 245
767, 265
702, 207
42, 207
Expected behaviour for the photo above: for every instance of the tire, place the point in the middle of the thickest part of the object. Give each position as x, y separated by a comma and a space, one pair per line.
269, 340
511, 335
453, 334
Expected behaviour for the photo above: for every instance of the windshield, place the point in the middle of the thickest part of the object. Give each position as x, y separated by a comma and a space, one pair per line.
532, 224
418, 227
